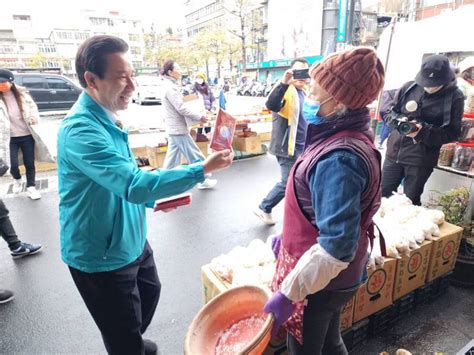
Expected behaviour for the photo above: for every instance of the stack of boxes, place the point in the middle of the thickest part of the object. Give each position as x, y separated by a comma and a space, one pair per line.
389, 293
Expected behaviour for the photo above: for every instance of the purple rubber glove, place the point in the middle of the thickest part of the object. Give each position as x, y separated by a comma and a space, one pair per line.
281, 307
276, 242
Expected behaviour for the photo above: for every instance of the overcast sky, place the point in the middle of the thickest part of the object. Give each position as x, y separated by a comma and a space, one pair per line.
163, 13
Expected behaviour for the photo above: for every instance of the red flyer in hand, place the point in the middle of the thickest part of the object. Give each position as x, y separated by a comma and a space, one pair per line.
223, 132
172, 202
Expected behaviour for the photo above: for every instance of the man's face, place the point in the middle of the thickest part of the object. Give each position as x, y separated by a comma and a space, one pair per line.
115, 90
300, 84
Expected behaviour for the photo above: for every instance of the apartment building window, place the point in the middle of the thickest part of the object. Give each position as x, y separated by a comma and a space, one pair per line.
133, 37
52, 64
22, 17
98, 21
81, 36
6, 48
47, 48
135, 50
64, 35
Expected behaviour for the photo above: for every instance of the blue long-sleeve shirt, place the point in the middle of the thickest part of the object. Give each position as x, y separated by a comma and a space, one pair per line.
336, 184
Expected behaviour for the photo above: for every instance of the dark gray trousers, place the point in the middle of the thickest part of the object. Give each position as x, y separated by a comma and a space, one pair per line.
321, 324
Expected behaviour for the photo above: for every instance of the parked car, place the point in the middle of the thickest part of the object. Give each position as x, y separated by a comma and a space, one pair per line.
148, 89
51, 92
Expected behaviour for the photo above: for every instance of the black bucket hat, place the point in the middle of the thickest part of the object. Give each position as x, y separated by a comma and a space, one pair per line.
435, 71
6, 75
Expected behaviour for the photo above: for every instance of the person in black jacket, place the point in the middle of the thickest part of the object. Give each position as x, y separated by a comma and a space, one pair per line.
288, 132
434, 105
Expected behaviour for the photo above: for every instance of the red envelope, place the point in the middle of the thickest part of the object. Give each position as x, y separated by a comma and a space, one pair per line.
172, 202
223, 132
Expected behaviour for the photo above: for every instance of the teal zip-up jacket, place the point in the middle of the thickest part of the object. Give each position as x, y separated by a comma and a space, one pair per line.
103, 194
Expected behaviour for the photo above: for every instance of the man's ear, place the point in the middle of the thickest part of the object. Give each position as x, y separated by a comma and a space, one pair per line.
90, 79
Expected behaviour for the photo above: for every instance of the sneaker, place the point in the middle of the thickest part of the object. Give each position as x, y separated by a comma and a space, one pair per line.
25, 249
207, 184
266, 218
150, 347
6, 296
33, 193
17, 186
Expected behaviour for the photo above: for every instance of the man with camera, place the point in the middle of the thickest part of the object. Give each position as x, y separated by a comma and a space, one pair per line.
426, 114
288, 130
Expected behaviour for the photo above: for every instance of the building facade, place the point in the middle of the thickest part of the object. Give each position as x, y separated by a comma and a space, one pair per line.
22, 45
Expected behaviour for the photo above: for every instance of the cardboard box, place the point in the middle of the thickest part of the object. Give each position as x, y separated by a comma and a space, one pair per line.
39, 167
140, 152
203, 147
376, 294
248, 144
156, 156
347, 315
411, 270
212, 284
444, 251
265, 136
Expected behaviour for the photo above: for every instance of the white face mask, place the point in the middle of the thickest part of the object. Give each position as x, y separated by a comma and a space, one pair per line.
433, 89
199, 81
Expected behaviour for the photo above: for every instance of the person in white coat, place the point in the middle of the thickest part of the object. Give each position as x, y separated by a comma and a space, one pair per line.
177, 117
18, 112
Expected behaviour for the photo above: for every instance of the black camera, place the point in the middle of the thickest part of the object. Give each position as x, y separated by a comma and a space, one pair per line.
300, 74
404, 126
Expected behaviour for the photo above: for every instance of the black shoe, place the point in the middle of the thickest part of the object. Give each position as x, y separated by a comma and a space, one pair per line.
7, 296
150, 347
25, 249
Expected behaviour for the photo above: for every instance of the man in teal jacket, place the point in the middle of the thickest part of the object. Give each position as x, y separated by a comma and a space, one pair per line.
103, 195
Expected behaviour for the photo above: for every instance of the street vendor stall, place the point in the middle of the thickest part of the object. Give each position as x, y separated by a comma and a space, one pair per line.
422, 251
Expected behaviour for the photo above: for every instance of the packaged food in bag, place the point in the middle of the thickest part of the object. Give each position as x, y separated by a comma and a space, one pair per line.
223, 132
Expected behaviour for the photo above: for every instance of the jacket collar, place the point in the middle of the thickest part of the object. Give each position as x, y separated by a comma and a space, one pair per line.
86, 101
356, 120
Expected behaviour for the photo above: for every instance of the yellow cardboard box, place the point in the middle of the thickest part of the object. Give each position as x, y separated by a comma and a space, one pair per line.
140, 152
347, 315
248, 144
411, 270
444, 251
156, 156
265, 136
212, 284
376, 294
40, 167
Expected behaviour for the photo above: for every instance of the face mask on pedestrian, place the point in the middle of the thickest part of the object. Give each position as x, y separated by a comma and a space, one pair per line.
311, 109
199, 81
5, 86
432, 90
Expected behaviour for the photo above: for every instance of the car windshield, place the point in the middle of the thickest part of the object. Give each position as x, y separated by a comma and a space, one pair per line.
148, 80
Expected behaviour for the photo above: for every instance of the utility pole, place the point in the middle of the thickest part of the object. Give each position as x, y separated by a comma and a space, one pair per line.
350, 35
